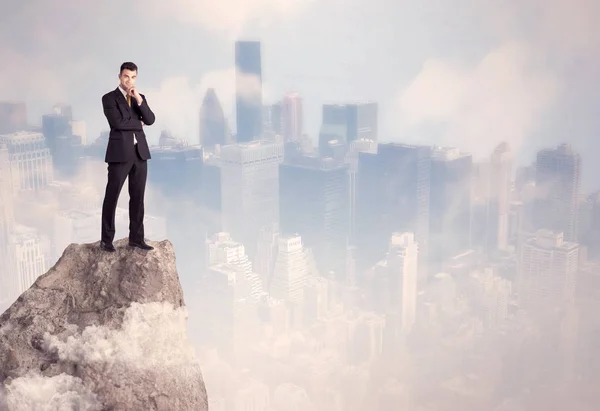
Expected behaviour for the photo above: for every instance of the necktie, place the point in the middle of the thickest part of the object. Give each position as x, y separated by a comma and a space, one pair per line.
129, 104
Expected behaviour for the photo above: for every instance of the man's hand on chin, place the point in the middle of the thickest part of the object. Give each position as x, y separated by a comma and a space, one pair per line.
134, 93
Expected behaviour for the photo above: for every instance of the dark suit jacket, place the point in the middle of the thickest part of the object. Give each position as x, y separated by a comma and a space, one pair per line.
124, 121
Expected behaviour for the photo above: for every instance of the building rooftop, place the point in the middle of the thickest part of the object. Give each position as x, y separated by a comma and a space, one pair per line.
548, 239
447, 153
22, 135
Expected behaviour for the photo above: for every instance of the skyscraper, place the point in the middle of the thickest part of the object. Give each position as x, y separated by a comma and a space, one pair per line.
362, 121
266, 253
213, 126
250, 189
248, 77
292, 270
65, 147
334, 125
6, 191
498, 209
56, 126
558, 183
32, 252
291, 117
314, 203
181, 163
8, 288
548, 268
348, 122
30, 160
354, 150
403, 263
272, 120
229, 290
494, 295
210, 197
392, 284
450, 202
392, 196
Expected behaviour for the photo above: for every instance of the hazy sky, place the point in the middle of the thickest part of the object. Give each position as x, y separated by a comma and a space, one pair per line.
461, 72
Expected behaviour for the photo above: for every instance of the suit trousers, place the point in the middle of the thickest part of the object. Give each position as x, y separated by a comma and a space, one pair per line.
137, 170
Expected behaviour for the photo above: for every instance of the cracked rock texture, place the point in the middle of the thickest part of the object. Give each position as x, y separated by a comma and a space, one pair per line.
101, 331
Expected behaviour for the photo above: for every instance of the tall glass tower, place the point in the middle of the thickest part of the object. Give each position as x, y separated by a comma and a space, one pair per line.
248, 78
557, 188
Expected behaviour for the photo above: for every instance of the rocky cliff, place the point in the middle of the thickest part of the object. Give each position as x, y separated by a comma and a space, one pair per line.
101, 331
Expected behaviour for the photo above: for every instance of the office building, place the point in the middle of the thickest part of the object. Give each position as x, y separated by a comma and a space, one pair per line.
392, 195
214, 130
348, 122
314, 203
450, 204
498, 209
248, 77
292, 117
557, 190
250, 189
30, 160
547, 270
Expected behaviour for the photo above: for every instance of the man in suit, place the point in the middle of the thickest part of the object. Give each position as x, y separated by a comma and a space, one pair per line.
127, 111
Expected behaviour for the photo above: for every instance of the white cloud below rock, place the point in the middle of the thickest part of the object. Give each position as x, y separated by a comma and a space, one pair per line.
136, 346
59, 393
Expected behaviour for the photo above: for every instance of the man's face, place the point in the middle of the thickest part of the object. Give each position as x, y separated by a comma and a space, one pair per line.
127, 78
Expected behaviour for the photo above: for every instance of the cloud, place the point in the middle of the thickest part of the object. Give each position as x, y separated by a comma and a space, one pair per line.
534, 47
566, 32
50, 28
177, 101
501, 98
119, 353
226, 15
18, 83
61, 392
46, 63
566, 28
135, 344
249, 88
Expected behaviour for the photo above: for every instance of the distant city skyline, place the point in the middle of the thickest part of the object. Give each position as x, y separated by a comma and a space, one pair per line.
372, 204
532, 99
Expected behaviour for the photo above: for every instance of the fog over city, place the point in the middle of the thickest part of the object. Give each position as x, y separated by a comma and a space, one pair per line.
374, 205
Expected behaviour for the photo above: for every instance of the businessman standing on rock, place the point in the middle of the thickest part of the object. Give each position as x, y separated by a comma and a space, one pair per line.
127, 111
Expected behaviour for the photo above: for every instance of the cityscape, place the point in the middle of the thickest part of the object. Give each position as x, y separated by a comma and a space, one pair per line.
339, 270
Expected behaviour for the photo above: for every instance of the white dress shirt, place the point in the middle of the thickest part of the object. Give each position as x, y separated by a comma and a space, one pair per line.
125, 95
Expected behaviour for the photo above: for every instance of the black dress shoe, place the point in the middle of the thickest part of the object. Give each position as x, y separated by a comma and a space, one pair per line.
107, 247
141, 245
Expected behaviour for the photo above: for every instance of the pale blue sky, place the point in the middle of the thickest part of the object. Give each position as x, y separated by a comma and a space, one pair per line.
460, 72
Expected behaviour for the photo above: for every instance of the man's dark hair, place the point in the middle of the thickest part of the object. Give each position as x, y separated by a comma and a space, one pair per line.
128, 65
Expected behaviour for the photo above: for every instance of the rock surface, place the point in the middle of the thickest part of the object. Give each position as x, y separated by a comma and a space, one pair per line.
101, 331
